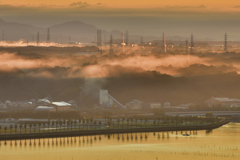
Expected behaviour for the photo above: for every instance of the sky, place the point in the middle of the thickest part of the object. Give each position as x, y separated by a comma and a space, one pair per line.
208, 19
133, 3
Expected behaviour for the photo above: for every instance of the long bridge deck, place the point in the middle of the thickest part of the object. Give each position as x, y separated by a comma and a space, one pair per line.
111, 131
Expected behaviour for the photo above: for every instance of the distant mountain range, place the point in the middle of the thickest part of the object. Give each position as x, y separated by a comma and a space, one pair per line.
75, 31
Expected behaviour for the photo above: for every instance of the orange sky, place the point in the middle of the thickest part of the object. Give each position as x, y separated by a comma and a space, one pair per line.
207, 18
134, 3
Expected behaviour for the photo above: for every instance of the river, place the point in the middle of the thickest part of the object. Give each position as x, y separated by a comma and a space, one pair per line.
219, 144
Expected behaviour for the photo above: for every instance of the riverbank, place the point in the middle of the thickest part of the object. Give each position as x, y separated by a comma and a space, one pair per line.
111, 131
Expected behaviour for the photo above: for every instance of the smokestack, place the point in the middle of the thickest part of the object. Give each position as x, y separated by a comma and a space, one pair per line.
225, 43
164, 43
110, 43
186, 46
192, 43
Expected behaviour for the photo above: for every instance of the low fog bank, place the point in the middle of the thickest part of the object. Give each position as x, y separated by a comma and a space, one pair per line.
149, 78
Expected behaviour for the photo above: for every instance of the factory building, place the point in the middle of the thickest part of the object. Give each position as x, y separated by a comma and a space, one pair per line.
223, 102
134, 105
45, 109
61, 106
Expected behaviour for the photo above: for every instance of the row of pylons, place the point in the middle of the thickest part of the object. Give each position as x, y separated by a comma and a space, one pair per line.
125, 41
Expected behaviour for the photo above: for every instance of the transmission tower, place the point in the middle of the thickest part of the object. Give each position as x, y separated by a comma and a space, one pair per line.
225, 42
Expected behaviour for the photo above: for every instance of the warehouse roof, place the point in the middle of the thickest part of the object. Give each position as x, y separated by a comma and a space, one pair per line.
43, 108
60, 104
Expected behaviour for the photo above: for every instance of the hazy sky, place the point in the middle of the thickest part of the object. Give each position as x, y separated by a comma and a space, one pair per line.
205, 18
133, 3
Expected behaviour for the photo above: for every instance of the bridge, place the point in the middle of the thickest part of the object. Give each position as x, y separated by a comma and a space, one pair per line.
203, 113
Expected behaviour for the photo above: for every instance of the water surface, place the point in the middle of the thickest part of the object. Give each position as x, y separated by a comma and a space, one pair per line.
219, 144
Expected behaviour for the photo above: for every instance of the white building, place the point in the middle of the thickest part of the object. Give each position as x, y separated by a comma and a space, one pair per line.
62, 106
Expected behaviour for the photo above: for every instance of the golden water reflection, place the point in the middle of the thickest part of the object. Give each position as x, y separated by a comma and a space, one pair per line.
222, 143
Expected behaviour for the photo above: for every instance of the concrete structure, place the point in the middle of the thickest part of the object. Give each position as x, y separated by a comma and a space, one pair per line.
135, 105
45, 109
103, 98
223, 102
106, 100
62, 106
